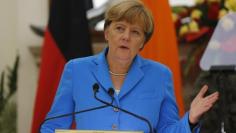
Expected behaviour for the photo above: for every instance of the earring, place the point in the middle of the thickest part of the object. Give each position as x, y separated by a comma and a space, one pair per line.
141, 46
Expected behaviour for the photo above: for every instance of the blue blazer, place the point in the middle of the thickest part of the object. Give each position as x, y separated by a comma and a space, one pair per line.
147, 91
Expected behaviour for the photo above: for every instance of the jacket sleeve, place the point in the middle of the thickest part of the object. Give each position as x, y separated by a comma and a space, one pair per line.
63, 103
169, 121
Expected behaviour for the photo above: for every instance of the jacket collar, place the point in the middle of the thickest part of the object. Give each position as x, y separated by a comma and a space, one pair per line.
101, 72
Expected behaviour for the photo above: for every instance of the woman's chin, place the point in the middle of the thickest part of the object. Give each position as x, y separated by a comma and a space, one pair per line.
125, 55
124, 59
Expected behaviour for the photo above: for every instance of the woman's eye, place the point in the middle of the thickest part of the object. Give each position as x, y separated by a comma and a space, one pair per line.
136, 32
119, 28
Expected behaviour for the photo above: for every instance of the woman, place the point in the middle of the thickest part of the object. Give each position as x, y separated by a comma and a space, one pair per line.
142, 86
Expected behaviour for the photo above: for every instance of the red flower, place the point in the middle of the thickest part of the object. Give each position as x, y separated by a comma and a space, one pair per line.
213, 11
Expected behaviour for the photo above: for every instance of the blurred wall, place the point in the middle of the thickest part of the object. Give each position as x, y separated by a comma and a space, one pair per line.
15, 35
28, 12
8, 34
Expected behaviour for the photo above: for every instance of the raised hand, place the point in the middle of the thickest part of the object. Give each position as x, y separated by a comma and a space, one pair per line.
201, 104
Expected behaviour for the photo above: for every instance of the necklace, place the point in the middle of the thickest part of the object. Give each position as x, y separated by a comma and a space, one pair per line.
117, 74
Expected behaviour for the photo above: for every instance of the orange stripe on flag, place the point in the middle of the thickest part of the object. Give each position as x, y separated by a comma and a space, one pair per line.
163, 45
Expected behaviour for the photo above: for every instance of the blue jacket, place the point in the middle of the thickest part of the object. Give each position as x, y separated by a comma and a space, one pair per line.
146, 91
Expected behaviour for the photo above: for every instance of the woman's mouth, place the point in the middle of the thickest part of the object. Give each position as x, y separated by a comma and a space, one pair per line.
124, 47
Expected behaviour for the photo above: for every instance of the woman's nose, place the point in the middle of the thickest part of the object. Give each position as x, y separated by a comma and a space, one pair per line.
126, 35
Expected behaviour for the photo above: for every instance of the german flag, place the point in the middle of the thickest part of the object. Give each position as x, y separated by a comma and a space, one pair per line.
67, 37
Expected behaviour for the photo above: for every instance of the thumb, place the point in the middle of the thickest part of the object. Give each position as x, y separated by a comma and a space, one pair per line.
203, 91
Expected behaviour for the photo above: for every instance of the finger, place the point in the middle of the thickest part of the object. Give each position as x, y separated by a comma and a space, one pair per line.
213, 95
202, 91
207, 104
212, 100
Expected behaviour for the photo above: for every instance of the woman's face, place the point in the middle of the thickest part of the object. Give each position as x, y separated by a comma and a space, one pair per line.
125, 40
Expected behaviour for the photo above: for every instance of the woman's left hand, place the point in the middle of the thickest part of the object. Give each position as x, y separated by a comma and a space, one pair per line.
201, 104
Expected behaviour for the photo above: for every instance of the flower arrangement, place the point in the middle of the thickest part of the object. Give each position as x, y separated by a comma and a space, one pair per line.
194, 28
194, 22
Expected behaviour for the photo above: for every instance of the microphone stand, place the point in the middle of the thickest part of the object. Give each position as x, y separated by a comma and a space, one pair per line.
74, 113
70, 114
128, 112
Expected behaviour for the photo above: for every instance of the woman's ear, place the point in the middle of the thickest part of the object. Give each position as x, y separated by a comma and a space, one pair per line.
141, 46
106, 34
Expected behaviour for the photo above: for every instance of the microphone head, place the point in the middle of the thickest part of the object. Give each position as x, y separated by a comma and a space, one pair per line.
95, 87
111, 92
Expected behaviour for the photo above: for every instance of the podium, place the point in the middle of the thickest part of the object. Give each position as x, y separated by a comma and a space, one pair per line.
94, 131
219, 59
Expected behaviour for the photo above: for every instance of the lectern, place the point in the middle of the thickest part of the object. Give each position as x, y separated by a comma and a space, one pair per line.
220, 59
94, 131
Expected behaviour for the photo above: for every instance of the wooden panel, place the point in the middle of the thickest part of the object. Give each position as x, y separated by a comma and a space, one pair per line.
94, 131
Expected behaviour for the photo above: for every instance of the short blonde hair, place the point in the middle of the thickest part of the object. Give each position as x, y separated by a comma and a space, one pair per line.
131, 11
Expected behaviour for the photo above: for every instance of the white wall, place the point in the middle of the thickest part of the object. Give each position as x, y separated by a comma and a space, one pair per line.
182, 2
8, 41
28, 12
17, 16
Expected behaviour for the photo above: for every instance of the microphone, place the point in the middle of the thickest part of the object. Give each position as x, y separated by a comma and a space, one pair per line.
111, 91
95, 89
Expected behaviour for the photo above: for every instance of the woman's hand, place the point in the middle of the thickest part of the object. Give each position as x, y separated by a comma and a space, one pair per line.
201, 104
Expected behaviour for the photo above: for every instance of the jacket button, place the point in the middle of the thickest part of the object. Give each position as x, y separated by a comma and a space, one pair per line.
116, 109
114, 127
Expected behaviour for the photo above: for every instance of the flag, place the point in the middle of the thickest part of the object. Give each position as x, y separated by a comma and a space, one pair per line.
163, 45
67, 37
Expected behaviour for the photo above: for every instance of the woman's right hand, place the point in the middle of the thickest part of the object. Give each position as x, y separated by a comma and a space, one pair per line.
201, 104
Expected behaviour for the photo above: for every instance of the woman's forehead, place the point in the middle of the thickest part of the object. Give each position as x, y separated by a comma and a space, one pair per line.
137, 22
133, 24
